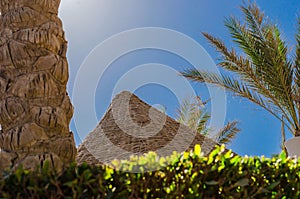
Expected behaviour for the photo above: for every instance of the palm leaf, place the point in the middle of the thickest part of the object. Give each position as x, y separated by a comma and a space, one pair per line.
263, 74
245, 69
296, 89
236, 87
192, 113
226, 134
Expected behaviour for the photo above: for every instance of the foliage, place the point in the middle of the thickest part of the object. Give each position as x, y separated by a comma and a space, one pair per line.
261, 68
187, 175
193, 113
227, 133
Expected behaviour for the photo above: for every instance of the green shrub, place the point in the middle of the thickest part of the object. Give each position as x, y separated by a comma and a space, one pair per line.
187, 175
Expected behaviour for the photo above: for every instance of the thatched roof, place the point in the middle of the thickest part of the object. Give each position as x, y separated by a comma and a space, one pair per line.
132, 127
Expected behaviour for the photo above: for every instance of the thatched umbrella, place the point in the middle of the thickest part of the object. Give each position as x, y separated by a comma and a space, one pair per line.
132, 127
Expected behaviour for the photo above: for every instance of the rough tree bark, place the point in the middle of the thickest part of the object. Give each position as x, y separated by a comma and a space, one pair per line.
35, 110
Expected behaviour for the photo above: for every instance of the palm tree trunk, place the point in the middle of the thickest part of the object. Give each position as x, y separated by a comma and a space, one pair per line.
35, 110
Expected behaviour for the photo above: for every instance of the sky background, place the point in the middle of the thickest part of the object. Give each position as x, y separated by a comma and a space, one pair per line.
87, 23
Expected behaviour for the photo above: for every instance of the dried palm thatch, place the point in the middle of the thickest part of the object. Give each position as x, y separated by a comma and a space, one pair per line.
132, 127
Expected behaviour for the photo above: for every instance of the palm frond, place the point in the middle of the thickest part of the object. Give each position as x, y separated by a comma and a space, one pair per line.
254, 18
236, 87
264, 66
193, 114
296, 89
202, 123
245, 69
267, 56
266, 51
263, 72
226, 134
297, 57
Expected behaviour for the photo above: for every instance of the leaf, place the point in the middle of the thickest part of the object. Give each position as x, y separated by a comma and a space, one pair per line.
243, 182
108, 173
212, 182
282, 156
262, 72
226, 134
273, 185
197, 150
235, 160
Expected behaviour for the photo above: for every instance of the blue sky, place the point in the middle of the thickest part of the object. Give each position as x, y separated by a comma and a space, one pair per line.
87, 23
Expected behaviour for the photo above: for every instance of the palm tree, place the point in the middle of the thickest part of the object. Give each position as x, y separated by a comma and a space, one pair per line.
35, 110
192, 113
259, 68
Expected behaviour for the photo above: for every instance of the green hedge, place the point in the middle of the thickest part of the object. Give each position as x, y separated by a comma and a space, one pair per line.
188, 175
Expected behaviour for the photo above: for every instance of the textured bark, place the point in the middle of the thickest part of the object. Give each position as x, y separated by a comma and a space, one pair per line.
35, 110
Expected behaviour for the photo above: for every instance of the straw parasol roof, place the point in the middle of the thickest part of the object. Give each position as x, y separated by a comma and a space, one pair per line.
132, 127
